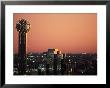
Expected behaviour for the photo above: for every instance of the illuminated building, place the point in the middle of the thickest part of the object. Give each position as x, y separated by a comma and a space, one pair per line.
55, 56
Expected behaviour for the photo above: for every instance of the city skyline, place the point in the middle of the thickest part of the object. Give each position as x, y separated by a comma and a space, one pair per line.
70, 33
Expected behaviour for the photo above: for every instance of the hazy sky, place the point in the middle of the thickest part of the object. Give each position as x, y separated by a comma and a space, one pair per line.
70, 32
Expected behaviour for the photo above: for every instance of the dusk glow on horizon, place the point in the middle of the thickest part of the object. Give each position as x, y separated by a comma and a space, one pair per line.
68, 32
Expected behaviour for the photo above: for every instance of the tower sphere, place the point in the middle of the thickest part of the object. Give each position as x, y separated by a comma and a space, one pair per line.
22, 26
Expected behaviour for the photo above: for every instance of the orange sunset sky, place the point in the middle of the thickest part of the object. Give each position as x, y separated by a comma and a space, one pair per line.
68, 32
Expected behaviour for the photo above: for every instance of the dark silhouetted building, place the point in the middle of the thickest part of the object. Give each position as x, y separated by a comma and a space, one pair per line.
22, 27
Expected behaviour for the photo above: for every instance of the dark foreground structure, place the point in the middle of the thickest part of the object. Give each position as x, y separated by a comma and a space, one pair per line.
22, 27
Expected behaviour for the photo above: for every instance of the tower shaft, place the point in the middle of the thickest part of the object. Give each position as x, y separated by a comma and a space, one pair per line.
22, 53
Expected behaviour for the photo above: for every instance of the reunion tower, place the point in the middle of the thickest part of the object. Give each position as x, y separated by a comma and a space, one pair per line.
22, 27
